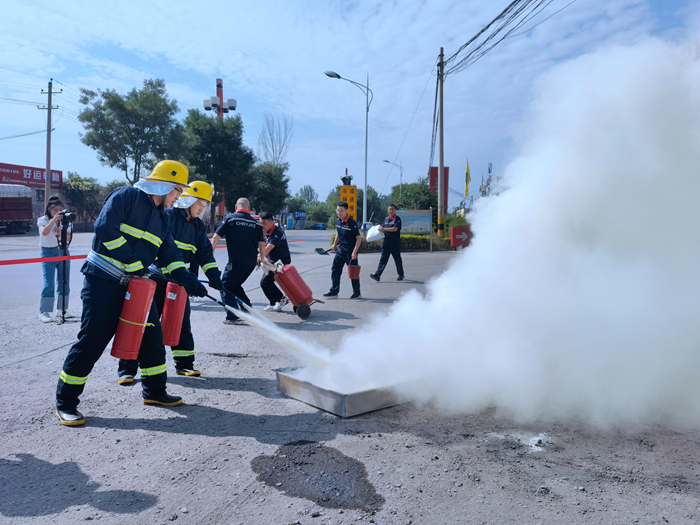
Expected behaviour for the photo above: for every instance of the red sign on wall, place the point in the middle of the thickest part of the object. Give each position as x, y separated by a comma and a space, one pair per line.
434, 182
28, 176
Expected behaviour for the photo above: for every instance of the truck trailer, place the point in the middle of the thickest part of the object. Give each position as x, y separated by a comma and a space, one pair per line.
15, 209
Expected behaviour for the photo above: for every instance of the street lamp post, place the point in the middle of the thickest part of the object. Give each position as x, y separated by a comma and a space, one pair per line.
217, 104
400, 175
367, 91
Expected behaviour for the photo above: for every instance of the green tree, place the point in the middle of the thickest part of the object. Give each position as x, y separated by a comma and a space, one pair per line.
414, 196
270, 187
318, 212
217, 155
129, 130
308, 196
112, 185
85, 195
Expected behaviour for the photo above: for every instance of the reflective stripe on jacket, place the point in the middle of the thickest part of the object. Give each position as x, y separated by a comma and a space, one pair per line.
130, 233
191, 239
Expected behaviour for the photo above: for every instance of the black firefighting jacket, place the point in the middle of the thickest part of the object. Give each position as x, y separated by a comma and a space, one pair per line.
130, 233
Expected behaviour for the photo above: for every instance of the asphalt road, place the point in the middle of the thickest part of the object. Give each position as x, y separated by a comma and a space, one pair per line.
239, 452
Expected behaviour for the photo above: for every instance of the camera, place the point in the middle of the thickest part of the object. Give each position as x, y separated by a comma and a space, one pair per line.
68, 216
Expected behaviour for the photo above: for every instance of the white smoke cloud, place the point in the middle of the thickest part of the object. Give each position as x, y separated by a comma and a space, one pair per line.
580, 296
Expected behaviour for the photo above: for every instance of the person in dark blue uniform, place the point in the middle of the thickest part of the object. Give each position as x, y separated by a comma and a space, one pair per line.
276, 249
346, 245
191, 238
244, 241
130, 232
391, 245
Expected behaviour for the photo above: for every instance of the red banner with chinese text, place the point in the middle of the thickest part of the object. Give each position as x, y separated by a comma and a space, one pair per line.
28, 176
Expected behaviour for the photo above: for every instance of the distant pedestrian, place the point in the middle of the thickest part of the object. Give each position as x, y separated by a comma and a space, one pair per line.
276, 249
347, 243
49, 236
244, 241
391, 245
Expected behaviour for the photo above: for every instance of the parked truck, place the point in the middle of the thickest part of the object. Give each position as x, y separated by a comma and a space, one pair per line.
15, 209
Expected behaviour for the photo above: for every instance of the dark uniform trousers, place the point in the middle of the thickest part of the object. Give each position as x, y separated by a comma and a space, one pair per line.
269, 288
343, 257
234, 276
102, 305
183, 352
395, 252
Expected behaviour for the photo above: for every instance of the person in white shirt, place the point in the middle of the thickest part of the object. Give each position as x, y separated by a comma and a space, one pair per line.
49, 237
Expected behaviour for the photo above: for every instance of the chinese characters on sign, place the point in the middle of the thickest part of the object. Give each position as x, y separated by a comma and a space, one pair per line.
28, 176
349, 195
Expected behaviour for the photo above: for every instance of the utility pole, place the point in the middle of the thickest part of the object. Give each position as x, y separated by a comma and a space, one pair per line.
441, 150
47, 175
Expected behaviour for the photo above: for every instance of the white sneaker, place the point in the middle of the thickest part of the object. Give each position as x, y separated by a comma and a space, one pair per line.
270, 307
281, 304
45, 317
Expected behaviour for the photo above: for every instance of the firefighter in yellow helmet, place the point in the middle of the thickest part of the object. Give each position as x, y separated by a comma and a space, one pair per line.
191, 238
131, 231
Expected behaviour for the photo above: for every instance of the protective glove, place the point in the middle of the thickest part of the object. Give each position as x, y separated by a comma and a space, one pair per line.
143, 272
215, 280
196, 289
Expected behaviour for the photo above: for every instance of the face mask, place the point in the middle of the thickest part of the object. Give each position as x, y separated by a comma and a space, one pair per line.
155, 187
185, 202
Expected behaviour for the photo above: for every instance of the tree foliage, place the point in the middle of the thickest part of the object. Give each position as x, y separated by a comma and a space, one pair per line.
270, 184
307, 195
112, 185
128, 130
414, 196
85, 195
217, 155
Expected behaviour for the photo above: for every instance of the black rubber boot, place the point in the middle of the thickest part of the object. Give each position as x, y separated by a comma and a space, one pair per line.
165, 400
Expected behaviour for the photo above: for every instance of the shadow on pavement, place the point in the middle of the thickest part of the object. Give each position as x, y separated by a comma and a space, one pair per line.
34, 487
214, 422
264, 387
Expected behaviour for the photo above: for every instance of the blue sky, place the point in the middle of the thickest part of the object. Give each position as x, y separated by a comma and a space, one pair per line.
272, 54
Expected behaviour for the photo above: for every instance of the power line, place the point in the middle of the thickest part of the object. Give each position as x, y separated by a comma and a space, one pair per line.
17, 101
514, 16
407, 129
24, 134
550, 16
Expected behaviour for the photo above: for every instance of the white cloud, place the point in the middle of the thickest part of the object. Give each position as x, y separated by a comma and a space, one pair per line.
272, 54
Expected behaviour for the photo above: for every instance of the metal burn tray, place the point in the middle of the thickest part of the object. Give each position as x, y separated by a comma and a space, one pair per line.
343, 405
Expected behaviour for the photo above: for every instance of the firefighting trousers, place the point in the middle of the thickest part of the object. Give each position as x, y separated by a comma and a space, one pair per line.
183, 352
102, 304
269, 288
234, 276
395, 252
343, 257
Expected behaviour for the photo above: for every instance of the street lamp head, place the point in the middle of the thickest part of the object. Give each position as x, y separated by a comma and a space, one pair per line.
332, 74
387, 161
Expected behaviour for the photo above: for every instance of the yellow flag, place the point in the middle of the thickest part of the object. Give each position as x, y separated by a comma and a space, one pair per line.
468, 180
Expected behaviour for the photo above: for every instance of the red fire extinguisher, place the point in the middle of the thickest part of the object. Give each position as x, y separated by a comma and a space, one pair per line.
173, 312
132, 320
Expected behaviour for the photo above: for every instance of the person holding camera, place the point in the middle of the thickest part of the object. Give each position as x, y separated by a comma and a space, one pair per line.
131, 231
50, 228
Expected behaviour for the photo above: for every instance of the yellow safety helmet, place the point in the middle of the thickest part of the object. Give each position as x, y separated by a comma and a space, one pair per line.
199, 190
170, 171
